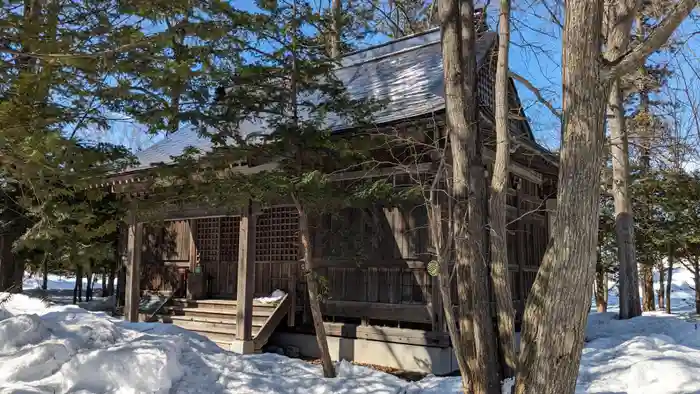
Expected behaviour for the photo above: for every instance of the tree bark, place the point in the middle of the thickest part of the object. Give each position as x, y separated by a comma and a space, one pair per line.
619, 18
497, 207
45, 273
78, 289
104, 283
335, 37
669, 282
440, 242
475, 324
647, 273
696, 277
110, 277
662, 287
121, 287
601, 290
550, 356
312, 286
485, 368
11, 268
89, 284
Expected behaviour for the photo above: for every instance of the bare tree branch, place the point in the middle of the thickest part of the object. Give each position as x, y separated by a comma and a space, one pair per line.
536, 92
636, 57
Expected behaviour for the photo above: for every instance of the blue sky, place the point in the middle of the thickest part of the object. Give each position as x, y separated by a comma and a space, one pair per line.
536, 55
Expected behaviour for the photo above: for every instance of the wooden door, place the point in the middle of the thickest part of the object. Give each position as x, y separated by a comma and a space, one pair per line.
217, 245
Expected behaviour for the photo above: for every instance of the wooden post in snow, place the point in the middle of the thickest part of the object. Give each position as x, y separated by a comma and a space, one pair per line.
246, 275
133, 269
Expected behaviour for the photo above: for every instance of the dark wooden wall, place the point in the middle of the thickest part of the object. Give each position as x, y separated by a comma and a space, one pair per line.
373, 261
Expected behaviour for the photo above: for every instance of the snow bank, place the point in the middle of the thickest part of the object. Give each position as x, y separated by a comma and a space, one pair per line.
651, 354
64, 348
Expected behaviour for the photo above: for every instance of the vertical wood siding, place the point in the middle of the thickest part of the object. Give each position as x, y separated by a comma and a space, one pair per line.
368, 257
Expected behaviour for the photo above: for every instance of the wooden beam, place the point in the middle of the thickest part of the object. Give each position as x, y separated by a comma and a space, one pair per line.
133, 269
415, 313
364, 264
388, 334
246, 275
489, 156
520, 247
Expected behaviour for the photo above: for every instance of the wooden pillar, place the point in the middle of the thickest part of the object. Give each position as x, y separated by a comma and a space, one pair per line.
133, 269
520, 242
246, 275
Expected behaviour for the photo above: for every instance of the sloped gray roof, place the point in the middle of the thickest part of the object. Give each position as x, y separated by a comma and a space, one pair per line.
406, 74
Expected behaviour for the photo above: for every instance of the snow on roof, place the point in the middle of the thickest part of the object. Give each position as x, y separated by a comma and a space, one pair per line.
405, 74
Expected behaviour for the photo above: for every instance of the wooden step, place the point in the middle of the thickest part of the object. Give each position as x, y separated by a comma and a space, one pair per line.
216, 313
258, 321
218, 304
223, 344
215, 333
213, 336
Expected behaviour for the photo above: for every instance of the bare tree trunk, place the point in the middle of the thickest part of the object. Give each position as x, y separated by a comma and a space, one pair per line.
647, 272
619, 18
669, 282
178, 85
441, 244
696, 277
89, 284
312, 286
121, 285
475, 324
662, 287
335, 38
45, 273
550, 356
497, 207
78, 289
456, 121
487, 374
104, 283
645, 267
601, 290
110, 277
11, 267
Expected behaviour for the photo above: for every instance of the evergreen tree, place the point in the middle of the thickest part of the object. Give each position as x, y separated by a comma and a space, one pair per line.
283, 104
59, 60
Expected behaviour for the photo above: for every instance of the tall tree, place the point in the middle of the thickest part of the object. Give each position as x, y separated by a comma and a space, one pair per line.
619, 17
459, 65
283, 105
54, 81
497, 206
562, 288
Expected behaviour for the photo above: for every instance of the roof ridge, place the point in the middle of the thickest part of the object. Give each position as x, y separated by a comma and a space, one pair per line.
388, 54
385, 43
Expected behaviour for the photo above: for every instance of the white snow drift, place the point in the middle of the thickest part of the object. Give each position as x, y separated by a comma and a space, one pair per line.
63, 348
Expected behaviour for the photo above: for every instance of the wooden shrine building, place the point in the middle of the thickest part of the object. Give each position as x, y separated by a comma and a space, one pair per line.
213, 263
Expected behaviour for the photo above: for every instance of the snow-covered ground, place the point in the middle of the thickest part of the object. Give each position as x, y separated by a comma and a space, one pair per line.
63, 348
55, 282
682, 293
48, 349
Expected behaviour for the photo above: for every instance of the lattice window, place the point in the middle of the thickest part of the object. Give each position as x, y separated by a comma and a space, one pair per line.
277, 235
208, 238
485, 83
230, 230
